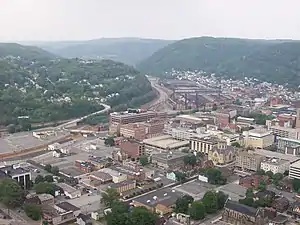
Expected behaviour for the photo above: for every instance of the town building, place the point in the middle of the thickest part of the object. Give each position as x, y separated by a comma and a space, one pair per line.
248, 161
132, 148
84, 166
62, 145
252, 181
280, 204
124, 186
69, 191
245, 121
294, 210
275, 165
164, 143
205, 144
83, 219
117, 177
160, 201
154, 127
168, 161
294, 171
258, 138
223, 155
133, 130
119, 118
22, 176
100, 176
288, 146
285, 132
298, 118
60, 213
236, 213
223, 116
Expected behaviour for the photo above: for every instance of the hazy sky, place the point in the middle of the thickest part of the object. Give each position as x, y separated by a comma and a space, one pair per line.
168, 19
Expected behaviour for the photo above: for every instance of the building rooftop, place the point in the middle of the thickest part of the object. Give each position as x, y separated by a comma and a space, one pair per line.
66, 187
13, 170
66, 206
45, 197
166, 156
123, 183
275, 161
101, 175
210, 139
267, 153
259, 132
165, 141
111, 172
165, 196
241, 208
189, 117
296, 164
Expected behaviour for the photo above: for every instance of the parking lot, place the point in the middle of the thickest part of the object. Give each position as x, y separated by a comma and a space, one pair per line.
79, 150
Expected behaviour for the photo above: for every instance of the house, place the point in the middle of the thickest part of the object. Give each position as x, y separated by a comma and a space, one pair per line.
171, 176
281, 204
236, 213
83, 219
56, 153
265, 194
61, 213
69, 191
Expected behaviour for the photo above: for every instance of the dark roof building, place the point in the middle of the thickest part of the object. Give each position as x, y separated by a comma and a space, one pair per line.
236, 213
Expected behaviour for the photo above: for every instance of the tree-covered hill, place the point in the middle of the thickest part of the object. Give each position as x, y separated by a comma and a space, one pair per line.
126, 50
25, 52
43, 89
276, 60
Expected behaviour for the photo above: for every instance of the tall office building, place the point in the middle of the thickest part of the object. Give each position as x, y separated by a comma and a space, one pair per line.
298, 118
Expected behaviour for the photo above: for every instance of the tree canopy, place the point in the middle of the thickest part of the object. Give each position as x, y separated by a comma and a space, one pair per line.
11, 193
33, 211
110, 196
230, 58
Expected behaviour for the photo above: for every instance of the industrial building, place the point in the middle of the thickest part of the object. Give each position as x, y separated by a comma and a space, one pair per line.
164, 143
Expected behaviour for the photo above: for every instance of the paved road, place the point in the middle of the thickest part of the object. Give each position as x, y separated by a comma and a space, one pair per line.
66, 125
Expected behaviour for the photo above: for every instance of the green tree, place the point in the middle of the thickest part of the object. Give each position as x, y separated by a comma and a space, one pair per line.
296, 185
190, 160
118, 215
180, 176
55, 170
11, 193
38, 179
262, 185
48, 168
33, 211
197, 210
260, 172
143, 160
270, 174
236, 144
210, 202
277, 177
109, 141
221, 199
249, 193
11, 128
49, 178
142, 216
44, 187
110, 196
247, 201
182, 204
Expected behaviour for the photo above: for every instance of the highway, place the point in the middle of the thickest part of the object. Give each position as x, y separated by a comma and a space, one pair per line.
75, 121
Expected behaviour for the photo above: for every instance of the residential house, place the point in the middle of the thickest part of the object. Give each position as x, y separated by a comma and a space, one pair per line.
280, 204
83, 219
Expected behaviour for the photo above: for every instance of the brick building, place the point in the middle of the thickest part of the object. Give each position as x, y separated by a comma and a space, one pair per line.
133, 148
133, 130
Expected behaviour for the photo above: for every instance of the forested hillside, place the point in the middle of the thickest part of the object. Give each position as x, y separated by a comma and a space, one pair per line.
126, 50
34, 88
275, 61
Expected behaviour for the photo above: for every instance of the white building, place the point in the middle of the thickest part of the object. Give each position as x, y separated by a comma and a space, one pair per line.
285, 132
69, 191
275, 165
294, 172
56, 153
